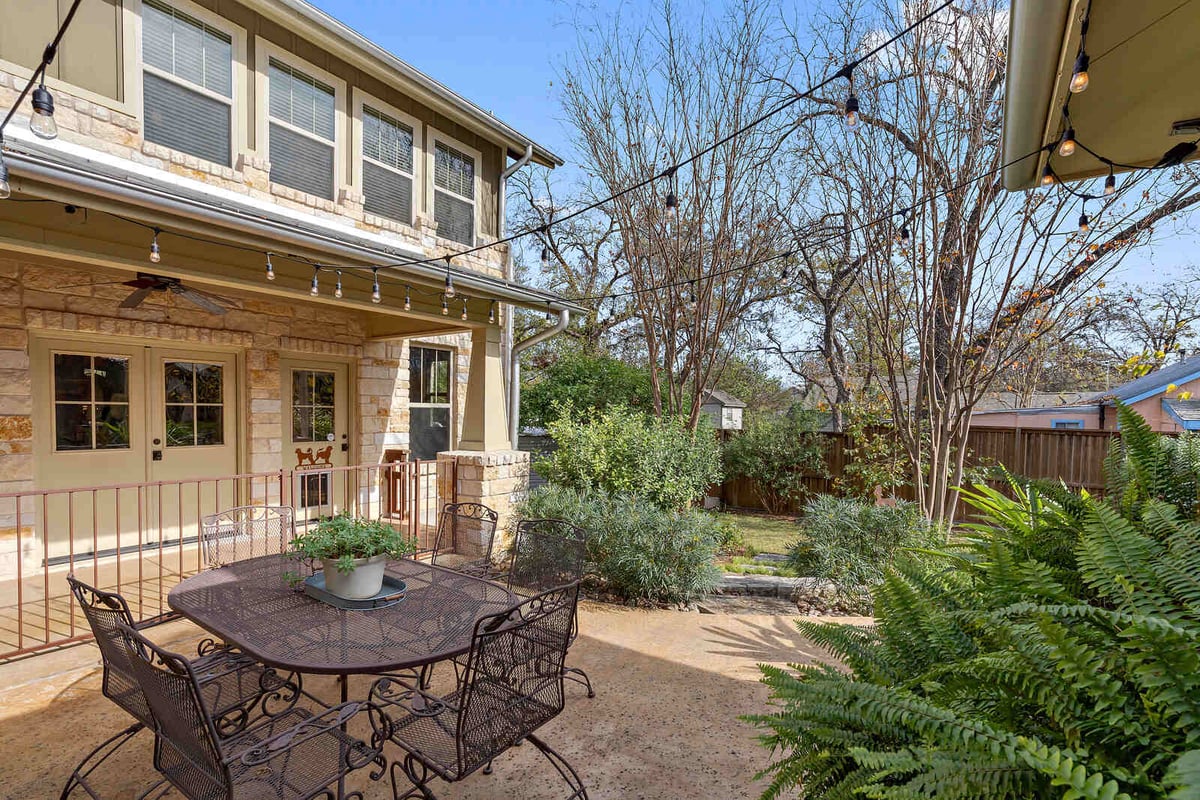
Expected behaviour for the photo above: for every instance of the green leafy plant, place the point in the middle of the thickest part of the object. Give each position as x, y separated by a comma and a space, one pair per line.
585, 382
625, 452
776, 454
852, 542
344, 539
640, 551
1011, 666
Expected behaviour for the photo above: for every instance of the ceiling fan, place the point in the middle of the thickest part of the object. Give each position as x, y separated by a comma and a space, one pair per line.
145, 284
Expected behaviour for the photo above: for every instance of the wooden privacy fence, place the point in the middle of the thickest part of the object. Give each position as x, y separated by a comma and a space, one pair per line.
1072, 456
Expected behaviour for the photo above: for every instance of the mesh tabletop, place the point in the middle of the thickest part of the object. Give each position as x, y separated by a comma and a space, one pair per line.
250, 604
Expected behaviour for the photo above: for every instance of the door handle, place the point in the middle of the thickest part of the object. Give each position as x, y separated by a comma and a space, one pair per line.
156, 455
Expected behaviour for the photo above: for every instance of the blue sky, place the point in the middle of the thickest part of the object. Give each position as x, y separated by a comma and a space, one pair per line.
502, 55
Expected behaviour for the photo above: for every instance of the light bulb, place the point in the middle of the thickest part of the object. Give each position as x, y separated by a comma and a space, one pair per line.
1110, 184
545, 256
408, 298
1048, 177
445, 306
464, 313
376, 295
492, 313
1067, 146
672, 205
1079, 77
449, 290
1083, 223
337, 289
5, 189
270, 268
905, 234
315, 288
851, 111
155, 254
41, 122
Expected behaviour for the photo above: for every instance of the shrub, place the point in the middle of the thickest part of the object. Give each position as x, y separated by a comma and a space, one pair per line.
776, 453
624, 452
585, 382
640, 550
987, 676
852, 542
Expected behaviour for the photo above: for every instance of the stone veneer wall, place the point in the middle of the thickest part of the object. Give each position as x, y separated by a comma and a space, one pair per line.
498, 479
53, 299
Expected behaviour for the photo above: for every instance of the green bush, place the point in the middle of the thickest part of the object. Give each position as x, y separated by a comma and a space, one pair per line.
1000, 670
640, 550
585, 382
625, 452
776, 453
852, 542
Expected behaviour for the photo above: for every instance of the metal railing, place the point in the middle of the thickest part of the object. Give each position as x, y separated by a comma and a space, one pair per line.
141, 539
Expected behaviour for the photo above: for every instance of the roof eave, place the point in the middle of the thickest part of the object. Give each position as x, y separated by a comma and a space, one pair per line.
351, 46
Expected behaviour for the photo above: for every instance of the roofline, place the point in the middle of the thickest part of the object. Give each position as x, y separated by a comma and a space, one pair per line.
350, 45
1191, 376
1188, 424
264, 225
1039, 409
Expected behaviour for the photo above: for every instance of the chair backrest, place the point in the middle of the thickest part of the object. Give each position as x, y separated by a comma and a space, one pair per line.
461, 523
245, 532
513, 681
105, 613
546, 553
186, 746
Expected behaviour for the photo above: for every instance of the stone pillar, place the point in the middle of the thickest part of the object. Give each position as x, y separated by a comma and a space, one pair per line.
484, 425
498, 479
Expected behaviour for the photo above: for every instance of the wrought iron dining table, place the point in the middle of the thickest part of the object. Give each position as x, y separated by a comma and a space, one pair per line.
253, 604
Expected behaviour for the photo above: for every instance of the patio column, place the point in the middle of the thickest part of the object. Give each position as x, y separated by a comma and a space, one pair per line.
484, 427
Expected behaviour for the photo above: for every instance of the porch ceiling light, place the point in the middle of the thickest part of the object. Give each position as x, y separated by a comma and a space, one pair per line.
42, 122
1079, 76
1066, 147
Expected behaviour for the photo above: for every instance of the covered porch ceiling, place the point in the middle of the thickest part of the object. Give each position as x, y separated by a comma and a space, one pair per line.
1143, 62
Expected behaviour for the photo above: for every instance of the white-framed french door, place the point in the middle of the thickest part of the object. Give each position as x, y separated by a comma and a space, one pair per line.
316, 428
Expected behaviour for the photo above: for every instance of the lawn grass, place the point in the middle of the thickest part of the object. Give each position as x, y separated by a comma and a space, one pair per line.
767, 534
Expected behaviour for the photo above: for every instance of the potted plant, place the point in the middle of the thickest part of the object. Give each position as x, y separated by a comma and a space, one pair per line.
354, 553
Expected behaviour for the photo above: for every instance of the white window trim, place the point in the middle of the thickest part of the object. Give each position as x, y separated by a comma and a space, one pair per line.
264, 51
362, 98
433, 136
237, 139
131, 81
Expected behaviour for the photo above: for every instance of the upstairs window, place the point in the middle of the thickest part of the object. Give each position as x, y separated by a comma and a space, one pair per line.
187, 84
454, 193
302, 131
387, 150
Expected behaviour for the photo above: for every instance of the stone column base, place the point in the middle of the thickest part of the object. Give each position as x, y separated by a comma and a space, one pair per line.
498, 479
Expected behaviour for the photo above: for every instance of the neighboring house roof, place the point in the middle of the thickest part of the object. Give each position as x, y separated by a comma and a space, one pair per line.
724, 398
1038, 410
1011, 401
306, 20
1155, 383
1185, 412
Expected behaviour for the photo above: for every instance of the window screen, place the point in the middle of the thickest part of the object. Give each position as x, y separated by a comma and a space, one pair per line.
454, 193
387, 166
303, 161
187, 56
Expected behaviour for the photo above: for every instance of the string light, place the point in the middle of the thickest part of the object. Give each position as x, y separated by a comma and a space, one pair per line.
905, 233
41, 122
545, 257
851, 111
155, 253
376, 296
1083, 220
1066, 147
1079, 76
672, 202
1048, 176
1110, 183
449, 291
270, 268
337, 289
407, 298
464, 313
549, 313
445, 306
492, 313
315, 288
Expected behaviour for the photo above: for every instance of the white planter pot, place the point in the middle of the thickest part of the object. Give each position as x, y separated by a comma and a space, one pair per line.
365, 580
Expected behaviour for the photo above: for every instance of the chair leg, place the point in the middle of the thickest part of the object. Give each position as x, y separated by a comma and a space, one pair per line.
580, 677
568, 773
416, 773
109, 746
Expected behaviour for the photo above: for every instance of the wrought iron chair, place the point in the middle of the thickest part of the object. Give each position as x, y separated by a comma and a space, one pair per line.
461, 520
512, 685
547, 553
234, 686
245, 532
296, 755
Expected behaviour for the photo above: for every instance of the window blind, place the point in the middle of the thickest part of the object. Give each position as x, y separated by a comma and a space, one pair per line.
301, 162
455, 218
186, 120
301, 101
454, 174
454, 171
389, 142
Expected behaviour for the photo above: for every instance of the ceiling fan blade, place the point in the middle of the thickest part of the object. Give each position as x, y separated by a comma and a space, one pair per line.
207, 302
144, 282
136, 297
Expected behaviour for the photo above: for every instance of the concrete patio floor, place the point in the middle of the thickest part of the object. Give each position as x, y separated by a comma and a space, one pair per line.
664, 724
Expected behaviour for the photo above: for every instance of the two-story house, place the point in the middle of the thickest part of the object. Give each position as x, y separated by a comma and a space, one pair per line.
229, 263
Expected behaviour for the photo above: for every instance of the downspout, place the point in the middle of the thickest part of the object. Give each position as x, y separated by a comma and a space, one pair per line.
514, 386
506, 342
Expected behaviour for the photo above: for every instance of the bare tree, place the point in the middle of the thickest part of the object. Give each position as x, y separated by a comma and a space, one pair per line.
986, 273
644, 94
1156, 323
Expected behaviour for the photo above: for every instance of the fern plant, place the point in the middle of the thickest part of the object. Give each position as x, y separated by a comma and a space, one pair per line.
1053, 651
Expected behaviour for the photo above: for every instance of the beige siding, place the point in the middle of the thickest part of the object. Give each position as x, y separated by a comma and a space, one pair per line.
29, 25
